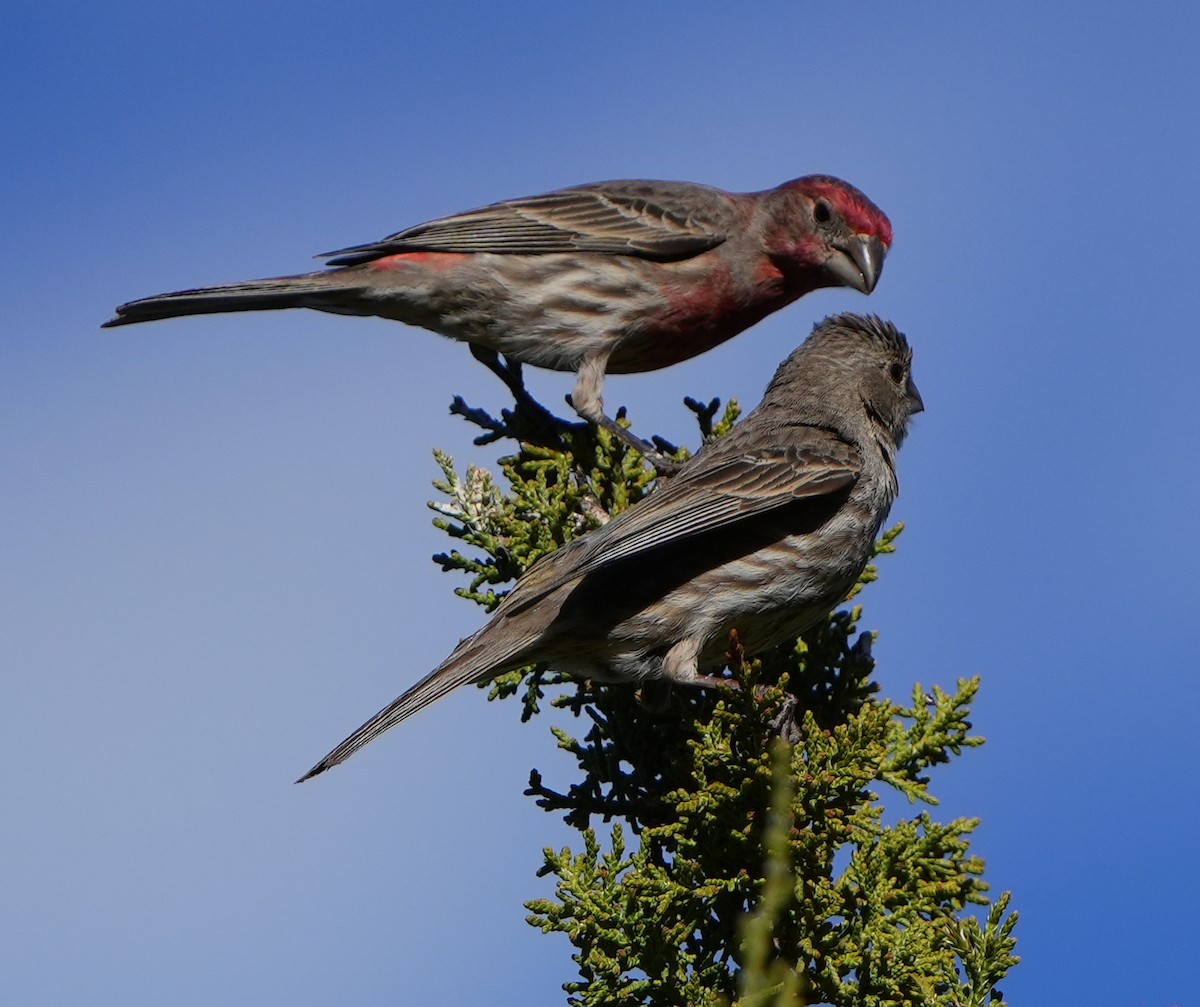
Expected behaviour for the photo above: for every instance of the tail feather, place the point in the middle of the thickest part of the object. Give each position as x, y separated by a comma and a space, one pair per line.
309, 290
476, 659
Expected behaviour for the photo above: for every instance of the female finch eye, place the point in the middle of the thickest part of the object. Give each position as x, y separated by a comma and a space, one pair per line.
822, 214
896, 372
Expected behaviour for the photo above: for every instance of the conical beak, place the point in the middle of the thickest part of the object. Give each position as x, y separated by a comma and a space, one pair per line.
916, 404
858, 262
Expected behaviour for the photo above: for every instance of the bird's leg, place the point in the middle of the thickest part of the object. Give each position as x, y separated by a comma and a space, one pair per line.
586, 399
530, 421
681, 665
508, 372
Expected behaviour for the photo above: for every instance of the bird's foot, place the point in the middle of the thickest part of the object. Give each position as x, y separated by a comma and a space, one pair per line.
532, 423
529, 422
657, 454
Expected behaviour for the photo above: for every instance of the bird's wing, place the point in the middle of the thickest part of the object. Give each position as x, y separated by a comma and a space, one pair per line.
716, 490
653, 220
735, 486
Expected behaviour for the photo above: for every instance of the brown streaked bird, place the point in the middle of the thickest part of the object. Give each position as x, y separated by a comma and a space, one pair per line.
610, 277
765, 531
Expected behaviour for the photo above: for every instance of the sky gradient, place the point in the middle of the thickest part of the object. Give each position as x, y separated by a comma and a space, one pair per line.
214, 545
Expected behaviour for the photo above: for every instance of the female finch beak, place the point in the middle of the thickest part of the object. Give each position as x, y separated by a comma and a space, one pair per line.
858, 262
915, 403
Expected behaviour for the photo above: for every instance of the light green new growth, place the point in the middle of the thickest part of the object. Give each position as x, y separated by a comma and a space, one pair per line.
752, 863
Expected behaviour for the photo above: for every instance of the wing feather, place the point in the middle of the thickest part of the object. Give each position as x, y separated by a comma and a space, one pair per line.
734, 486
654, 220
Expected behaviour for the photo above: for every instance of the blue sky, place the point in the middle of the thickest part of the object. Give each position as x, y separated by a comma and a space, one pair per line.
214, 549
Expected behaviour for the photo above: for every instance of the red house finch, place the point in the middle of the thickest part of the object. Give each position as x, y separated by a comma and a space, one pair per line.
613, 276
764, 531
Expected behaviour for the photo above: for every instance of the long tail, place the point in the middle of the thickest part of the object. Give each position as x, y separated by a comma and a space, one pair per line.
476, 659
327, 291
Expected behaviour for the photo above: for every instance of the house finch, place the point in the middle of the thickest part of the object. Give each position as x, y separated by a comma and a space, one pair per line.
763, 532
613, 276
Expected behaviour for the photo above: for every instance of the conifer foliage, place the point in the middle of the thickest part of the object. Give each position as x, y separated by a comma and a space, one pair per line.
734, 846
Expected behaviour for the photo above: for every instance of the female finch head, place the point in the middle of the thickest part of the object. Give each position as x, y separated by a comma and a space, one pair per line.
857, 368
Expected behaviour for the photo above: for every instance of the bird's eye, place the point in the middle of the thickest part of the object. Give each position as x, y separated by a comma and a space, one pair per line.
896, 373
822, 212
